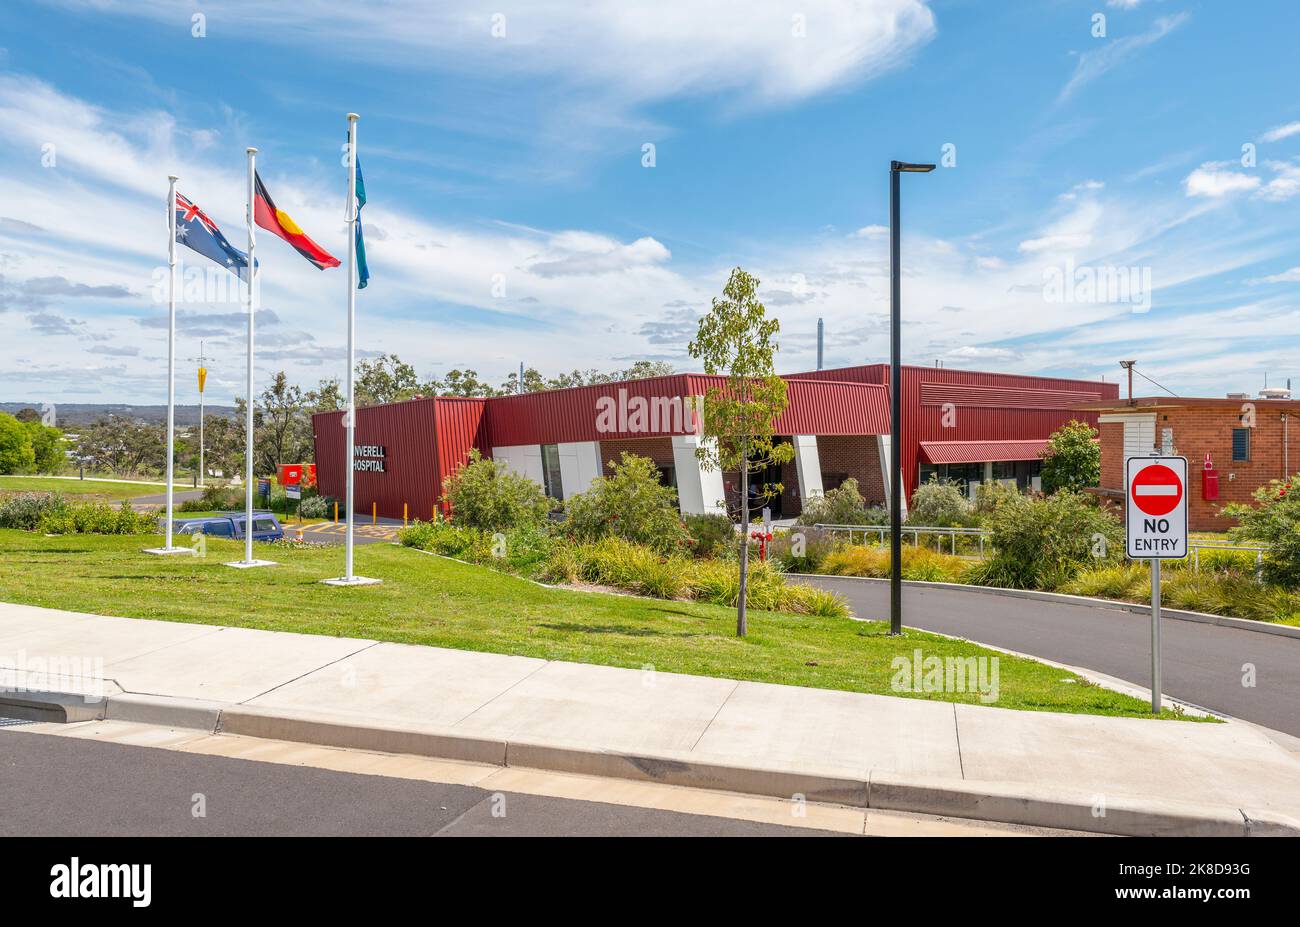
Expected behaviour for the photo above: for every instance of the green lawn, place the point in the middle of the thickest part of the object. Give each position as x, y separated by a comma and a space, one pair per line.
430, 600
99, 489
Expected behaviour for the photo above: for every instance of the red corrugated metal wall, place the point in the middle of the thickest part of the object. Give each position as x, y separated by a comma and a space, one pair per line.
815, 407
423, 439
462, 427
974, 419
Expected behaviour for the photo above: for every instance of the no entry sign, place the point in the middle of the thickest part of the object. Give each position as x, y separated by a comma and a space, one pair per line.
1156, 507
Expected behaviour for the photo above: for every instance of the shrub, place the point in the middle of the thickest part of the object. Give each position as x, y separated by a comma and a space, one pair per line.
220, 499
843, 505
809, 600
989, 496
714, 535
718, 582
815, 543
630, 504
1072, 458
97, 518
940, 504
25, 510
518, 550
1043, 543
1120, 581
486, 494
919, 563
316, 507
614, 561
1273, 522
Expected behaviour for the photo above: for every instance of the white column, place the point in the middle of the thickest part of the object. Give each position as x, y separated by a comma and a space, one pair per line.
579, 465
807, 467
524, 459
882, 451
699, 491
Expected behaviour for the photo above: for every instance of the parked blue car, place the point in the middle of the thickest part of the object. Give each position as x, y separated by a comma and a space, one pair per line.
265, 526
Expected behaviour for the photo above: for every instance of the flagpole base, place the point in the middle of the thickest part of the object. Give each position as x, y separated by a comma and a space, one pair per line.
164, 551
354, 581
249, 564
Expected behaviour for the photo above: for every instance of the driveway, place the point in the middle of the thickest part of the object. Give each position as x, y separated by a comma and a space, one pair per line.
1201, 663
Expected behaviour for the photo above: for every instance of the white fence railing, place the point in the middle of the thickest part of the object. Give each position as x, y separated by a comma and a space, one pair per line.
1194, 546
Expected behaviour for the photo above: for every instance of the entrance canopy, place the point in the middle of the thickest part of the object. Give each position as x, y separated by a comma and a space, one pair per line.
956, 452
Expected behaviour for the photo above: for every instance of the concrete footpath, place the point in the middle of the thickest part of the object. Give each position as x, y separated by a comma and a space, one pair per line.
1112, 775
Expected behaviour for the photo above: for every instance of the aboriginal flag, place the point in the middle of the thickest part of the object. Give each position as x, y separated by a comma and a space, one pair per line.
279, 222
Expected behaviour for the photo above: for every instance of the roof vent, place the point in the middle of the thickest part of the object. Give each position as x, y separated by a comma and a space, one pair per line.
1275, 392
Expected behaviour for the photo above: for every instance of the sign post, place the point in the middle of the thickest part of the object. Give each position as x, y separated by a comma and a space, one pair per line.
1155, 519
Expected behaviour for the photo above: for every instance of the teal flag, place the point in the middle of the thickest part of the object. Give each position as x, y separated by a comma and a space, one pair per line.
363, 271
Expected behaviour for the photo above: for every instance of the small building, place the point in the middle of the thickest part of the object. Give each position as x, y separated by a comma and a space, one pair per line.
960, 425
1245, 442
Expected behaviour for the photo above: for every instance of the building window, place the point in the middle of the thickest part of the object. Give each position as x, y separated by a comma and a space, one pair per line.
1240, 444
551, 471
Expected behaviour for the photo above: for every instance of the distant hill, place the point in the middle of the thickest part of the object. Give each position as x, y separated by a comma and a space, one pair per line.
81, 413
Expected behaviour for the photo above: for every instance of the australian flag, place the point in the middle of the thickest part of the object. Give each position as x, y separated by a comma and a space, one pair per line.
195, 230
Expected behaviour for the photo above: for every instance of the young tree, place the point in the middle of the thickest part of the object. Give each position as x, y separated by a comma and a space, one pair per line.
461, 383
735, 340
387, 378
1072, 458
16, 454
49, 446
281, 428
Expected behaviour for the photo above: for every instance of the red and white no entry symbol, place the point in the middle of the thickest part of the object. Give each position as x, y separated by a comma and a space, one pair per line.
1156, 490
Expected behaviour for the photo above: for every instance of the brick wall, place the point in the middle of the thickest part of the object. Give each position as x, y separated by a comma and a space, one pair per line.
1111, 436
1197, 431
660, 450
856, 456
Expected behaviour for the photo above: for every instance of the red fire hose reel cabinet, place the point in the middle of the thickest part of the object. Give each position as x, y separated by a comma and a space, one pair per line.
1209, 480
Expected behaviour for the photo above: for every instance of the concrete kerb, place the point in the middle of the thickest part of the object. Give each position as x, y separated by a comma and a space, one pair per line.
1021, 803
1224, 621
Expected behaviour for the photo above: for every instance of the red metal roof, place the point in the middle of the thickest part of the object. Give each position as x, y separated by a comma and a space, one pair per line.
607, 411
952, 452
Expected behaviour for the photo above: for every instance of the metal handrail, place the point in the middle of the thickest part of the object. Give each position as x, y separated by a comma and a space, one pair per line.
1194, 548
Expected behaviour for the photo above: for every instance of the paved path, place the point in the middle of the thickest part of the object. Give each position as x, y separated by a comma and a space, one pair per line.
694, 720
1202, 663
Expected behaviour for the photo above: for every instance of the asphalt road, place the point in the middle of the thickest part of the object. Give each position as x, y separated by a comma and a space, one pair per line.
1201, 663
63, 786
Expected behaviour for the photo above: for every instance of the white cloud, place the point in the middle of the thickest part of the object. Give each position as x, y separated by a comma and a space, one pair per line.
1277, 133
1212, 179
1284, 185
1287, 276
1112, 52
872, 231
763, 50
582, 254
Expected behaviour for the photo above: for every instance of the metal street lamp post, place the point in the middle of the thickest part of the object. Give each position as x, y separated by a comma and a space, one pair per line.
896, 400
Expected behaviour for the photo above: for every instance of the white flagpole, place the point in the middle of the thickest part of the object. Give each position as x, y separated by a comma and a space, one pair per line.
352, 341
248, 409
248, 560
167, 547
349, 577
171, 350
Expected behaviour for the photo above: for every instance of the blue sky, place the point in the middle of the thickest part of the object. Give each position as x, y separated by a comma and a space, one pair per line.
512, 216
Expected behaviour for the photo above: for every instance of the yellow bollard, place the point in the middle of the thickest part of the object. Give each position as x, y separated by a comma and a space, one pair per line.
403, 514
336, 513
374, 513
